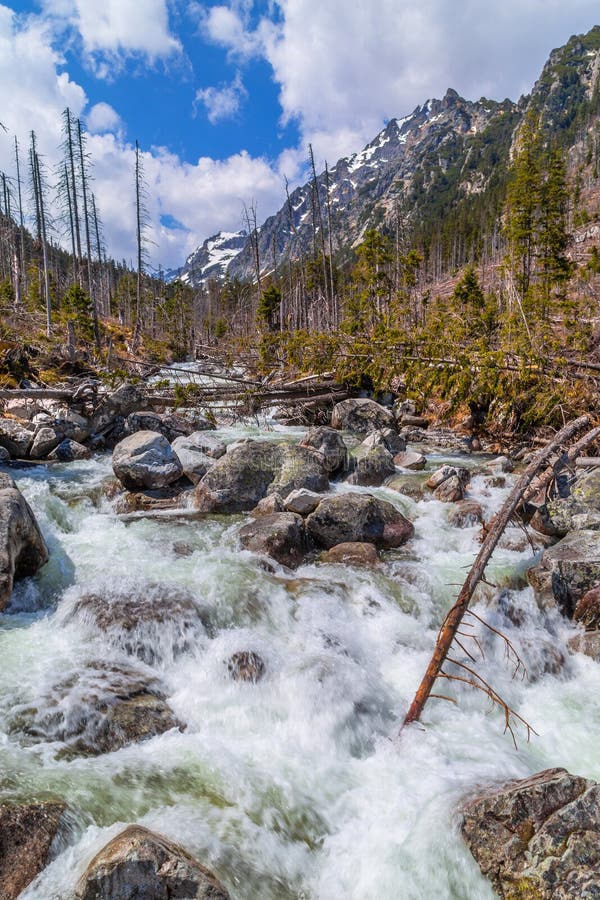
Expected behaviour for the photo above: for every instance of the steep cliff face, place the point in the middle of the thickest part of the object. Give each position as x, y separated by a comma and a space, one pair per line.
439, 171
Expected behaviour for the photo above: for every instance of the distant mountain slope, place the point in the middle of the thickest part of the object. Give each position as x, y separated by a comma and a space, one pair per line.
211, 259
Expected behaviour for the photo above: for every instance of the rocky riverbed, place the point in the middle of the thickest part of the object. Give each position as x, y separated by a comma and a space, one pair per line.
223, 644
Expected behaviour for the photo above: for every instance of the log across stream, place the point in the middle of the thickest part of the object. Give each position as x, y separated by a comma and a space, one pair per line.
292, 785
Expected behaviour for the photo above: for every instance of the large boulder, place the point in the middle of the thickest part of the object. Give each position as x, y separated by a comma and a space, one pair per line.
384, 437
358, 517
22, 548
195, 462
253, 469
280, 535
169, 424
353, 553
28, 833
45, 440
580, 510
119, 404
68, 451
570, 568
361, 415
330, 444
539, 838
302, 502
15, 437
373, 467
139, 864
145, 460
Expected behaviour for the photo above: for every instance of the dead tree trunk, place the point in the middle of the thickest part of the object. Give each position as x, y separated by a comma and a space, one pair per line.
494, 531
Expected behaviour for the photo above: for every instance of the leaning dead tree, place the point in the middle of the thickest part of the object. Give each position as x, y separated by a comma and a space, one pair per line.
450, 633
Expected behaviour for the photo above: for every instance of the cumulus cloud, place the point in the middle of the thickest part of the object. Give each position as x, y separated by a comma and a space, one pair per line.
114, 30
222, 102
102, 117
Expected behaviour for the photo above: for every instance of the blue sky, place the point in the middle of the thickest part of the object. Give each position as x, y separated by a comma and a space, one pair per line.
225, 96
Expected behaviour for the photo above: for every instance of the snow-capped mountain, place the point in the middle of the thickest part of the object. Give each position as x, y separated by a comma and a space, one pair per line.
211, 259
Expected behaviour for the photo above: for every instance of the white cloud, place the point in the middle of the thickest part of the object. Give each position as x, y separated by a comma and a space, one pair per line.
113, 30
222, 102
102, 117
228, 26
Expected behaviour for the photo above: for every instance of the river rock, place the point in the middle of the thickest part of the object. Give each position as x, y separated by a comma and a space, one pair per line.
358, 517
119, 404
587, 610
45, 440
206, 443
573, 567
254, 469
353, 553
410, 459
154, 622
170, 497
407, 421
169, 424
451, 490
302, 502
385, 437
194, 461
68, 451
22, 407
580, 510
139, 864
22, 548
15, 437
267, 506
539, 837
27, 834
98, 709
4, 456
145, 460
588, 643
407, 485
361, 415
330, 444
373, 468
440, 475
246, 665
501, 464
195, 418
280, 536
465, 513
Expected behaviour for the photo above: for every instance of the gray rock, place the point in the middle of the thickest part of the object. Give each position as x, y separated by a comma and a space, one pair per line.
440, 475
170, 425
194, 461
268, 505
145, 460
330, 444
501, 464
466, 513
120, 403
139, 864
280, 535
15, 438
385, 437
207, 443
4, 456
196, 419
22, 407
302, 502
588, 643
358, 517
587, 610
573, 567
68, 451
410, 459
22, 548
451, 490
580, 510
45, 440
539, 837
28, 837
246, 474
353, 553
414, 422
152, 500
373, 468
361, 415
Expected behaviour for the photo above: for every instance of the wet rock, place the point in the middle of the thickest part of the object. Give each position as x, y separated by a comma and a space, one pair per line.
539, 837
587, 610
145, 460
153, 622
588, 643
465, 513
440, 475
501, 464
353, 553
195, 462
451, 490
45, 440
139, 864
4, 456
330, 444
27, 834
22, 548
579, 511
246, 474
246, 665
267, 506
358, 517
15, 438
410, 459
385, 437
361, 415
280, 536
69, 451
302, 502
373, 468
196, 419
119, 404
99, 709
182, 549
410, 487
574, 567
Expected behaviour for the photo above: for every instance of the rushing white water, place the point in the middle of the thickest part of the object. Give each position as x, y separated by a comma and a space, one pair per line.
297, 786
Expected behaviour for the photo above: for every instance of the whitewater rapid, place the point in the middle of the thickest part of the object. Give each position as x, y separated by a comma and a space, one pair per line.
297, 786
